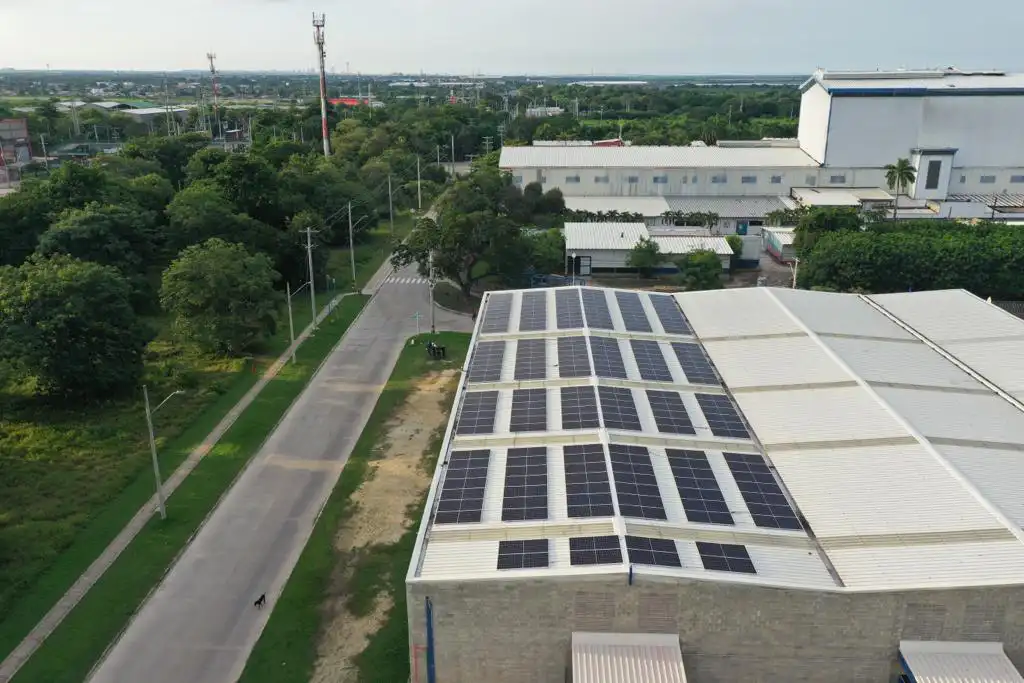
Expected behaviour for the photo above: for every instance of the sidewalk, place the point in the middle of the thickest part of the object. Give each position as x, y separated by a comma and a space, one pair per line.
10, 666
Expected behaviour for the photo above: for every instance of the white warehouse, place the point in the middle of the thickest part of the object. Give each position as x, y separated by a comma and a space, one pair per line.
736, 485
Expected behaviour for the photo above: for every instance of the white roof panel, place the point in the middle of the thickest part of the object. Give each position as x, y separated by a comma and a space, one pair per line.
916, 82
951, 315
825, 196
727, 207
997, 474
774, 362
785, 236
648, 206
983, 418
825, 313
638, 156
603, 236
751, 313
1000, 361
684, 244
940, 662
899, 362
627, 658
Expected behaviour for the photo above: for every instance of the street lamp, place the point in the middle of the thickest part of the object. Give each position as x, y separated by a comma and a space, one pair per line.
161, 504
574, 268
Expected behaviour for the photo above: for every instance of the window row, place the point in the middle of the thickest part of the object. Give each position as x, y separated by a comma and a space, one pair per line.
716, 179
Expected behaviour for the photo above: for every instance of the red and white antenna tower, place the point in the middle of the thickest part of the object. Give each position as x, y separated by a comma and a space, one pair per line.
213, 76
318, 38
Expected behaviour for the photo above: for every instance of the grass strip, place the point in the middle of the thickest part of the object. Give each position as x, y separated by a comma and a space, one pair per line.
287, 649
71, 651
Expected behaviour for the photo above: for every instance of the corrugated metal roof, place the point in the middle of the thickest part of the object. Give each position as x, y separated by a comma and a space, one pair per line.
923, 82
655, 157
627, 658
825, 196
603, 236
1003, 200
785, 236
685, 244
945, 662
648, 206
727, 207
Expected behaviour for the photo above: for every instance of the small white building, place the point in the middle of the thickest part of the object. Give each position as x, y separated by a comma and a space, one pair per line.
595, 248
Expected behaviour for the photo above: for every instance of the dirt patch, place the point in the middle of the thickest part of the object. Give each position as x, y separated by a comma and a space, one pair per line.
396, 482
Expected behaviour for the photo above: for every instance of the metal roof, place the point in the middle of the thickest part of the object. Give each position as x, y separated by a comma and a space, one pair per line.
638, 156
785, 236
685, 244
627, 658
603, 236
649, 207
823, 196
727, 207
914, 83
944, 662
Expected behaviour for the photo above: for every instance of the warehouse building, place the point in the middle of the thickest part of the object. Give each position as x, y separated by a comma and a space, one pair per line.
736, 485
596, 248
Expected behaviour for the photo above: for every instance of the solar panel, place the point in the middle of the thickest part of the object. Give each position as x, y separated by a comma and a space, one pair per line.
672, 319
587, 491
702, 497
650, 360
660, 552
634, 317
618, 408
607, 358
568, 311
573, 359
526, 484
523, 554
722, 416
761, 492
529, 410
533, 313
595, 305
669, 412
696, 365
594, 550
462, 494
531, 359
477, 413
635, 483
485, 366
724, 557
496, 314
579, 408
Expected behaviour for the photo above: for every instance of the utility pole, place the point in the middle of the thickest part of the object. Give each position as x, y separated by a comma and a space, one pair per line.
312, 288
291, 321
430, 282
391, 208
318, 38
453, 155
419, 188
351, 246
488, 143
439, 155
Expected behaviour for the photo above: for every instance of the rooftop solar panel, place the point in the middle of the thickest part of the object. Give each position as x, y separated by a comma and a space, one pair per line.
568, 311
650, 360
636, 486
672, 319
526, 484
529, 410
462, 493
618, 408
607, 358
595, 305
659, 552
722, 416
579, 408
724, 557
634, 317
533, 314
485, 365
477, 413
594, 550
528, 554
587, 491
702, 498
761, 492
531, 359
496, 314
695, 363
669, 412
573, 359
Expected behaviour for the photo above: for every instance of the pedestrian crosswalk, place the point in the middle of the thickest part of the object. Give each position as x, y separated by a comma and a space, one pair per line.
395, 280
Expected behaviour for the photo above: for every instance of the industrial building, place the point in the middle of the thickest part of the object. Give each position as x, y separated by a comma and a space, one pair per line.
751, 484
595, 248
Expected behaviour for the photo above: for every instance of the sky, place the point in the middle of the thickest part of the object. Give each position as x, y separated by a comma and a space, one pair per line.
495, 37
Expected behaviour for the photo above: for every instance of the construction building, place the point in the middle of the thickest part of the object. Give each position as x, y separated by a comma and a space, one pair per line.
736, 485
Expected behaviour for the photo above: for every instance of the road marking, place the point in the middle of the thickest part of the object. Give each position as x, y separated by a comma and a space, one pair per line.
406, 281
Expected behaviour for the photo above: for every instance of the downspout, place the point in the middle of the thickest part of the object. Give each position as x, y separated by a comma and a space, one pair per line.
431, 673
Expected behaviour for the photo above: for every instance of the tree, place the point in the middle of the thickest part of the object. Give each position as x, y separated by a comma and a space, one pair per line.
250, 183
203, 163
221, 296
24, 216
152, 192
200, 212
69, 325
818, 221
172, 153
547, 249
899, 176
700, 269
736, 244
645, 257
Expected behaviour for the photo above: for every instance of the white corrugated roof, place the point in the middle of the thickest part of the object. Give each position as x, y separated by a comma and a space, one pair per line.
655, 157
627, 658
825, 196
785, 236
603, 236
647, 206
727, 207
685, 244
945, 662
925, 81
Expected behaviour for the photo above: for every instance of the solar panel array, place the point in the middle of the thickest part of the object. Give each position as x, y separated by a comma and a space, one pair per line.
659, 552
587, 491
497, 314
725, 557
478, 412
533, 313
526, 484
485, 365
702, 498
573, 359
634, 317
586, 550
669, 412
650, 360
531, 359
722, 416
529, 410
635, 483
528, 554
568, 311
595, 305
696, 365
607, 358
761, 492
579, 408
672, 319
462, 494
618, 408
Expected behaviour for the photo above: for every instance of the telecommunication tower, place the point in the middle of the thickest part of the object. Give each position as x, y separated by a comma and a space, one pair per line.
213, 77
318, 38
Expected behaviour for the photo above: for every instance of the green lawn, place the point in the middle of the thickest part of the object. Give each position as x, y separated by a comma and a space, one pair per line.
286, 652
370, 254
69, 653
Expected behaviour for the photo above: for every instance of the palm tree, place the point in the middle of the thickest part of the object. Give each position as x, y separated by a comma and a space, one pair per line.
900, 176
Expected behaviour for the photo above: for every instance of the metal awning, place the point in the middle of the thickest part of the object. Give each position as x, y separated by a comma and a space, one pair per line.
944, 662
627, 658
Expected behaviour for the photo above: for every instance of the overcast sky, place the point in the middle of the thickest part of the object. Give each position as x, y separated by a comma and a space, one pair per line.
514, 36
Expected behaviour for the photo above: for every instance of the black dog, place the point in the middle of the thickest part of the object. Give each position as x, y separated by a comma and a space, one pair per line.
260, 601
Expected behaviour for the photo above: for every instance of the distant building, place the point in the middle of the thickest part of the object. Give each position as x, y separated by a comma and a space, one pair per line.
15, 148
149, 114
597, 248
542, 112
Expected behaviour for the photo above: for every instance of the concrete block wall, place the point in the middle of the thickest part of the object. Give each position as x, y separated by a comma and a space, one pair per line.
520, 631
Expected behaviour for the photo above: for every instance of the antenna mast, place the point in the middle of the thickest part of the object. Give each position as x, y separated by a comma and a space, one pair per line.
318, 38
213, 76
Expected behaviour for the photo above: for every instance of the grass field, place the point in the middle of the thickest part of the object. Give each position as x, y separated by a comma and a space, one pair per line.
370, 255
68, 654
286, 652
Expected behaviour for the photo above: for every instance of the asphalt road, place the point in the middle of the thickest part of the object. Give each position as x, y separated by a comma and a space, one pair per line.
200, 625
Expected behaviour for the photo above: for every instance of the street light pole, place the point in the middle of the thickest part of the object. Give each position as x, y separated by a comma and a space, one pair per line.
312, 288
291, 321
391, 208
160, 500
574, 268
351, 246
419, 186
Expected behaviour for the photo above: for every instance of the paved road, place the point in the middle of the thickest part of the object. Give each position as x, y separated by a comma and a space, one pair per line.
199, 626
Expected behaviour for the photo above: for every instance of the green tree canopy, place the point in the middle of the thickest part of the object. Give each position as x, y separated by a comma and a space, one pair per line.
818, 221
700, 270
645, 256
